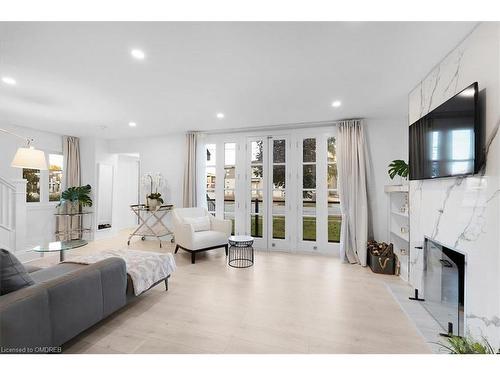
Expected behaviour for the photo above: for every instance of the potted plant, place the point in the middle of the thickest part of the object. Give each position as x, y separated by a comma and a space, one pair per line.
154, 201
76, 197
467, 345
398, 168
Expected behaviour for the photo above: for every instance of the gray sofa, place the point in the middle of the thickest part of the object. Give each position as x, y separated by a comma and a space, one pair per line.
65, 300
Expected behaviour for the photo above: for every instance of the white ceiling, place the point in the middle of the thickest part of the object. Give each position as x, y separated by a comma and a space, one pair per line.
79, 78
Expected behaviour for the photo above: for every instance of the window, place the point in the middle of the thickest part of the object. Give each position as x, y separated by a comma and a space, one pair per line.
45, 186
210, 174
229, 182
33, 184
334, 216
55, 177
309, 189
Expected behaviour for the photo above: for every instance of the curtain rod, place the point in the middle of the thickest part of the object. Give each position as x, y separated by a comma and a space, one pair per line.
291, 126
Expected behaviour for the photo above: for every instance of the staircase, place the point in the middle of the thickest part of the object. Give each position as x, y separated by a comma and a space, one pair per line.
7, 215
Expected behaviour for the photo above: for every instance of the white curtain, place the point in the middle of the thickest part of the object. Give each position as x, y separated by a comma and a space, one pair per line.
201, 178
71, 155
351, 165
190, 173
72, 177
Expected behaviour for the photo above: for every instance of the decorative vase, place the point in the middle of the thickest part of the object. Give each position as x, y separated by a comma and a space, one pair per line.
153, 204
74, 207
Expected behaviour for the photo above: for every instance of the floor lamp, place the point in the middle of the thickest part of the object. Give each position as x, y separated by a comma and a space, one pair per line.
27, 157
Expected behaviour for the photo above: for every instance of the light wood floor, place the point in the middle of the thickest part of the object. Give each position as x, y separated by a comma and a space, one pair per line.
285, 303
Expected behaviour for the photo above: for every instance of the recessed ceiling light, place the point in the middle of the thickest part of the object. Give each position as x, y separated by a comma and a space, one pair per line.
220, 115
9, 81
132, 124
336, 103
138, 54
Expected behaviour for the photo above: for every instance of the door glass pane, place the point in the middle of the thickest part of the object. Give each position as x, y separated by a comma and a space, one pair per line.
211, 200
257, 152
33, 184
309, 228
279, 227
332, 157
333, 197
257, 178
309, 176
332, 176
309, 150
334, 223
210, 178
229, 201
256, 205
229, 177
211, 155
309, 202
256, 226
279, 176
229, 153
279, 202
279, 151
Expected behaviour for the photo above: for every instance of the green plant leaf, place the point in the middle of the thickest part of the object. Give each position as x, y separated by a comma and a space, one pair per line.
80, 194
398, 168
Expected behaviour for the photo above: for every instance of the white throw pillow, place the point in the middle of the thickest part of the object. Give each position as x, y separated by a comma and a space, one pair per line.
199, 224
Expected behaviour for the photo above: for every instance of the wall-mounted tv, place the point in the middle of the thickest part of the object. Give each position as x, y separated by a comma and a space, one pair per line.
447, 141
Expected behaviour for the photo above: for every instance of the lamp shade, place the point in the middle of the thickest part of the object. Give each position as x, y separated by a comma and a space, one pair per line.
29, 158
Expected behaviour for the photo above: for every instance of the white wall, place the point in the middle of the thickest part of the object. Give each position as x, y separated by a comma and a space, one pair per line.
463, 213
387, 140
159, 154
126, 188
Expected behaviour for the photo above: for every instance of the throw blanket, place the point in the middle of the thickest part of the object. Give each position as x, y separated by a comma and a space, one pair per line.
145, 268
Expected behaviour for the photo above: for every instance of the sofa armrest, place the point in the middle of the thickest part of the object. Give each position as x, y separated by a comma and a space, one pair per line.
183, 234
220, 225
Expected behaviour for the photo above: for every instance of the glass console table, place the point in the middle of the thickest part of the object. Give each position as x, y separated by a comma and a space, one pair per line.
71, 226
60, 246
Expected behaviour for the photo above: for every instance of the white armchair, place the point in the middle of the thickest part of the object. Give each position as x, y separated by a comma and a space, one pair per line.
196, 230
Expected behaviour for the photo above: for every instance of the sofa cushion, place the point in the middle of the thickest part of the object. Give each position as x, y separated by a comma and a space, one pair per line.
30, 268
209, 238
199, 224
50, 273
13, 275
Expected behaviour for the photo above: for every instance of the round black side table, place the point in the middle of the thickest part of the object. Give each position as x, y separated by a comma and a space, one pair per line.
240, 251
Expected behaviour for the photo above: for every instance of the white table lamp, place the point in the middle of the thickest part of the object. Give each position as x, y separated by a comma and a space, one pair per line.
28, 157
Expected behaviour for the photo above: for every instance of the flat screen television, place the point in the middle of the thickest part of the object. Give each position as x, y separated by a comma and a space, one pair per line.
447, 141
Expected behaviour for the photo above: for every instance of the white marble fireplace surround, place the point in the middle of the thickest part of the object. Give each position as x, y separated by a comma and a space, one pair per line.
463, 213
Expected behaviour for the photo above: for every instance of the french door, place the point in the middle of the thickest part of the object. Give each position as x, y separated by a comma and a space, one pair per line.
268, 180
279, 188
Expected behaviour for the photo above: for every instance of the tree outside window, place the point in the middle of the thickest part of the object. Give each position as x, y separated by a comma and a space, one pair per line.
33, 184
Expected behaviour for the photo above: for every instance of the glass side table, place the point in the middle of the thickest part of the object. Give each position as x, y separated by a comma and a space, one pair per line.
61, 246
